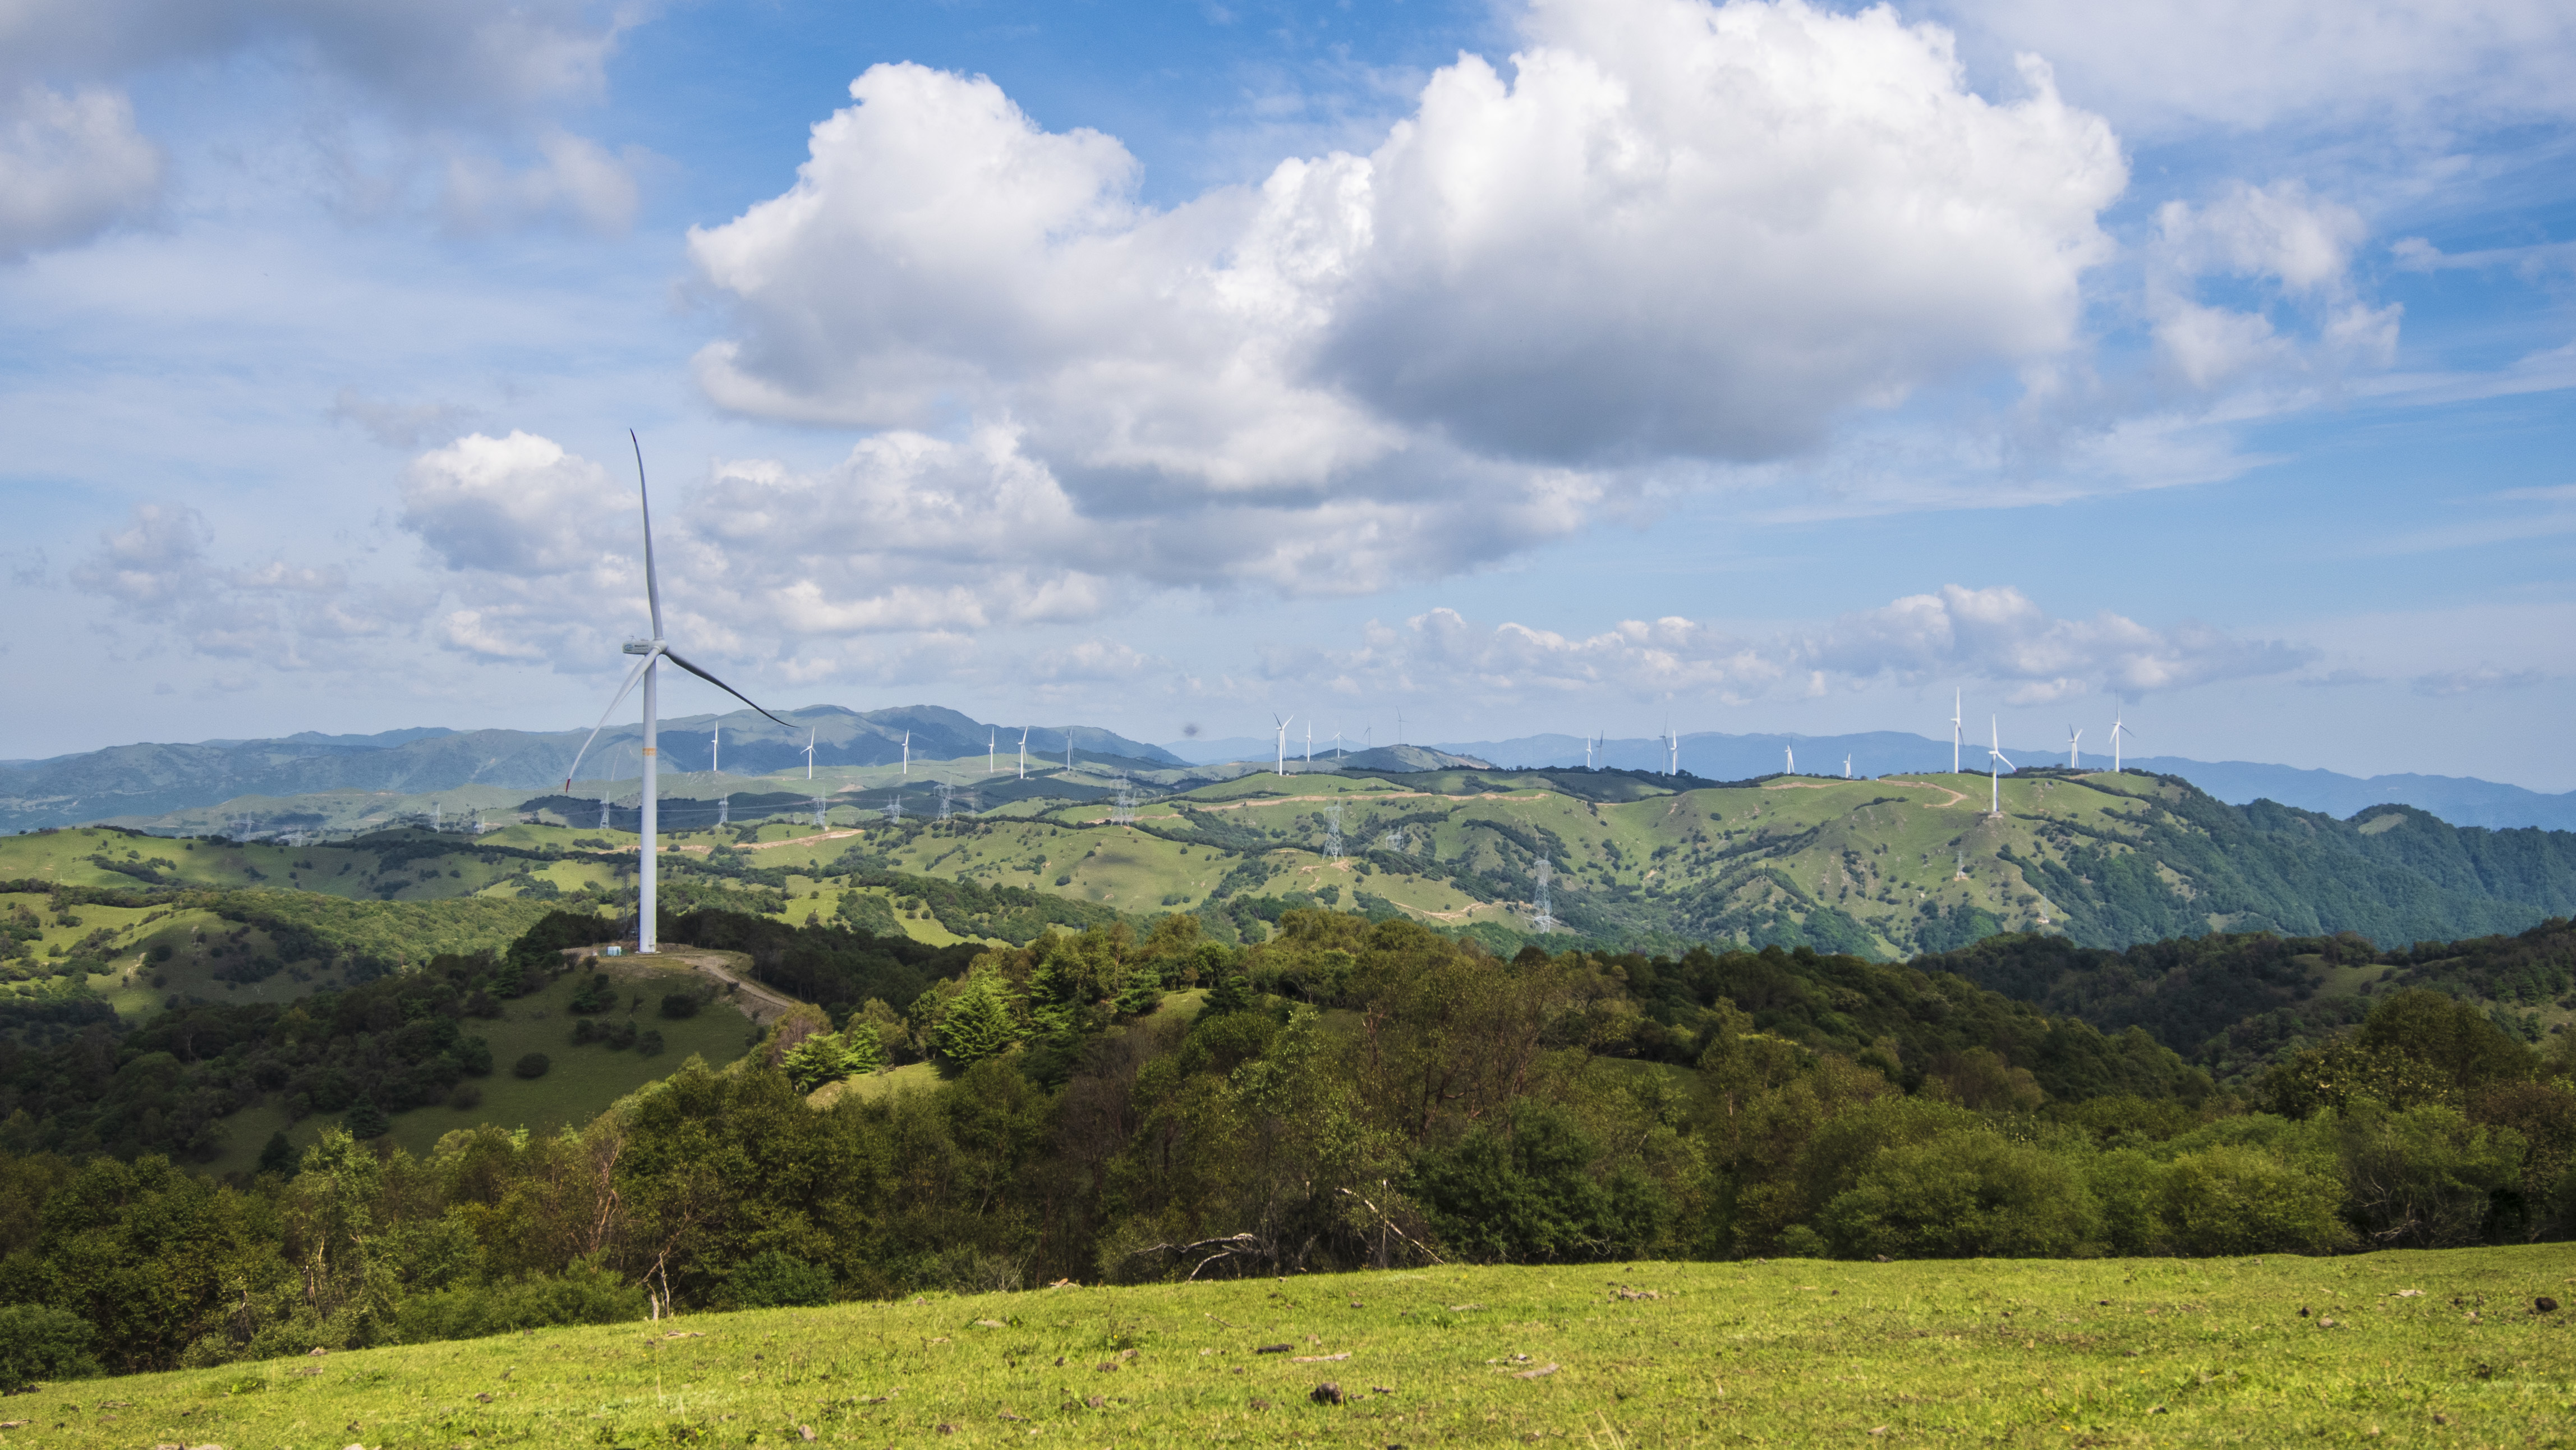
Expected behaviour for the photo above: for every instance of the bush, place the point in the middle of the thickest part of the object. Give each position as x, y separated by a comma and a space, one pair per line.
583, 1295
2239, 1200
39, 1342
677, 1005
366, 1120
532, 1065
1964, 1194
467, 1097
775, 1280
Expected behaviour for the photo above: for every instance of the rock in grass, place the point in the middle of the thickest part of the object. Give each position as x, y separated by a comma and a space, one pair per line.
2545, 1305
1327, 1393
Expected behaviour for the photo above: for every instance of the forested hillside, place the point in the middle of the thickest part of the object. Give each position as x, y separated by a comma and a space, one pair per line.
1115, 1106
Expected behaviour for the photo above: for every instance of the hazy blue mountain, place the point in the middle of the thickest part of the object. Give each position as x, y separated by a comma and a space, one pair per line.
150, 779
2460, 801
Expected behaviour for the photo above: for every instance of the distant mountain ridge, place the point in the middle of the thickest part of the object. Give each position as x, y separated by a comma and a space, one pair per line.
2462, 801
153, 779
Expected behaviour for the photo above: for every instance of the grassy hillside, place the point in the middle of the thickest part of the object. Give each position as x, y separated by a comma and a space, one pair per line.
581, 1082
2384, 1349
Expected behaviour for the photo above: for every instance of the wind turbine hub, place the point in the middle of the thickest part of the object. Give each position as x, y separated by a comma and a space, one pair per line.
640, 646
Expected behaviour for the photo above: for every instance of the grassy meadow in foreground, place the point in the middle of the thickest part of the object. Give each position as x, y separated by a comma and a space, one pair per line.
2395, 1349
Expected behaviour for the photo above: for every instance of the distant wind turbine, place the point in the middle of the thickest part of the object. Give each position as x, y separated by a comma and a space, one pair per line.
1789, 754
907, 753
715, 750
1310, 745
992, 739
1955, 731
1587, 752
1283, 741
809, 752
2074, 739
647, 670
2119, 732
1995, 764
1024, 752
1846, 767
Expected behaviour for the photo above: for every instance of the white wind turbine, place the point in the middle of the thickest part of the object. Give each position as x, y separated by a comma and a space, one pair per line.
1789, 754
1024, 752
715, 750
1587, 752
647, 670
809, 752
1283, 741
1310, 745
1956, 735
992, 740
907, 754
2074, 743
1995, 764
1846, 767
2119, 732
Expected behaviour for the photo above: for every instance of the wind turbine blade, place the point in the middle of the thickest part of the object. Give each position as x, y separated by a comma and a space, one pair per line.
623, 691
719, 684
652, 580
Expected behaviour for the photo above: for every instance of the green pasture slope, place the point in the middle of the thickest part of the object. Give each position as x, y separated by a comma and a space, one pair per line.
1793, 1352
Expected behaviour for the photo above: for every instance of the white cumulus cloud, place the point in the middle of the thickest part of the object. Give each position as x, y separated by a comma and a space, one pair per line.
1673, 231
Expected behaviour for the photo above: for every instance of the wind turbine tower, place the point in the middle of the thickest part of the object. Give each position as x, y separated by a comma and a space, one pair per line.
1846, 767
992, 739
1283, 741
907, 754
647, 670
715, 751
1955, 736
1024, 752
2119, 732
1789, 753
1310, 745
2074, 740
809, 752
1995, 764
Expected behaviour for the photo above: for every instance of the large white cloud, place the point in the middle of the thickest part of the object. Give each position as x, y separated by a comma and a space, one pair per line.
1678, 231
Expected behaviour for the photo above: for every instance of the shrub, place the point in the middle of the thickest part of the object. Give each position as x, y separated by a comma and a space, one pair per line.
39, 1342
583, 1295
774, 1279
532, 1065
2239, 1200
677, 1005
366, 1120
1965, 1194
467, 1097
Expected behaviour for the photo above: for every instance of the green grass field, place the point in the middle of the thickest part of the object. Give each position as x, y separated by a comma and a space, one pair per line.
2396, 1349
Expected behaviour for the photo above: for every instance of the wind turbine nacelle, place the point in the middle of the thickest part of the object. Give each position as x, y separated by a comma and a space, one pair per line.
638, 646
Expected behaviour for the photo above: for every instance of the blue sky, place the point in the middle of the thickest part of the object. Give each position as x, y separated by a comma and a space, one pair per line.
1525, 367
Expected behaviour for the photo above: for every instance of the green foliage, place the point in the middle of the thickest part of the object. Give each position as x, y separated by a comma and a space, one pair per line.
1532, 1192
680, 1005
39, 1343
774, 1279
534, 1064
2237, 1199
1964, 1194
584, 1294
365, 1120
978, 1024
